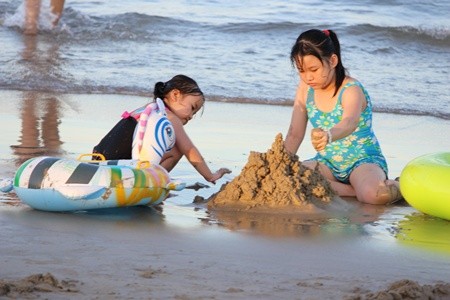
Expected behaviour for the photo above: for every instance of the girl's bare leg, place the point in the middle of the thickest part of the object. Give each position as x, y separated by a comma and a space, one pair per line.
32, 11
372, 186
56, 6
341, 189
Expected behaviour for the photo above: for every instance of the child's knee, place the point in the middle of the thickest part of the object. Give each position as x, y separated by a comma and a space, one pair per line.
378, 195
310, 164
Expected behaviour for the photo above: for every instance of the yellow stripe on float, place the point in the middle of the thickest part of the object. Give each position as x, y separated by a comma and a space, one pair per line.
116, 183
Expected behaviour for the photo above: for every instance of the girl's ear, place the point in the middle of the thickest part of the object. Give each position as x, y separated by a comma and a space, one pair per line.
334, 60
174, 95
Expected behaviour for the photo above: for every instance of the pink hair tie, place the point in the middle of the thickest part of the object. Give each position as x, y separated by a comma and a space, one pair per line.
126, 115
327, 32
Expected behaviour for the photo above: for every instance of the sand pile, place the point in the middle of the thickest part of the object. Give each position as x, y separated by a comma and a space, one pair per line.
36, 283
408, 289
274, 179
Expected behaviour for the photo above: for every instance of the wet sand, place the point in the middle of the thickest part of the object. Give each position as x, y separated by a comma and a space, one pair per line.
181, 250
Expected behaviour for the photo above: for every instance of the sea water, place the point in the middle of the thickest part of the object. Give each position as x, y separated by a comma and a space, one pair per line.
236, 50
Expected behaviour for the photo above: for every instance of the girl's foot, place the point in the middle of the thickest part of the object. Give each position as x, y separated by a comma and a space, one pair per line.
394, 190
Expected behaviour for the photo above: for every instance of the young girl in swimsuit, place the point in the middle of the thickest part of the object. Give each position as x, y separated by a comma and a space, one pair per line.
183, 99
340, 111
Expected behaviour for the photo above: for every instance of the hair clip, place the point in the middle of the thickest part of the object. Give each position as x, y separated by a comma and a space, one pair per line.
327, 32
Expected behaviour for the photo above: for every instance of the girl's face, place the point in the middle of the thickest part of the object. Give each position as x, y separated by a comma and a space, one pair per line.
186, 106
316, 74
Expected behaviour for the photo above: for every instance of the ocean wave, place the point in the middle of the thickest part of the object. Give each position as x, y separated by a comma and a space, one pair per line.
136, 26
77, 25
376, 108
434, 35
246, 27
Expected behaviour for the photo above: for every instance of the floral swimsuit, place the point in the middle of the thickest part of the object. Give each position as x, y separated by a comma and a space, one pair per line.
360, 147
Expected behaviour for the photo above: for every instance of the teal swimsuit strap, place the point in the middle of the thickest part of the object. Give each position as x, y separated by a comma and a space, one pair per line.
347, 85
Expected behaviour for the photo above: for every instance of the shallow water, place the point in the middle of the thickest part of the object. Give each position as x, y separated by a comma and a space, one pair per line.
237, 51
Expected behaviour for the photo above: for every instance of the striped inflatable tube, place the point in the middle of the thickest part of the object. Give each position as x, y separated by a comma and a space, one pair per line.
154, 134
58, 184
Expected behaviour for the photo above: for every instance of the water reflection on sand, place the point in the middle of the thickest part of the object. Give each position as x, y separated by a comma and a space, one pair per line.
126, 218
39, 135
40, 112
394, 224
422, 231
349, 222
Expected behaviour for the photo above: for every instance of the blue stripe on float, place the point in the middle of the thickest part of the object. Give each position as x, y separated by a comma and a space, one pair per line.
163, 132
157, 128
163, 123
168, 124
157, 152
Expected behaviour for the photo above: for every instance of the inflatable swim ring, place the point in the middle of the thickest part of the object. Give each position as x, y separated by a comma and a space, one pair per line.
154, 134
59, 184
145, 134
425, 184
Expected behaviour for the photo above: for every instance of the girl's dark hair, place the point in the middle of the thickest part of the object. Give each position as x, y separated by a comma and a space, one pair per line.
183, 83
321, 44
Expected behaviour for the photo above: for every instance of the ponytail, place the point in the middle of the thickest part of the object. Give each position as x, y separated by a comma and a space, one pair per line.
158, 90
340, 70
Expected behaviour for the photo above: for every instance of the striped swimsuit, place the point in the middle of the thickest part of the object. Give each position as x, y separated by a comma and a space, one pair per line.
360, 147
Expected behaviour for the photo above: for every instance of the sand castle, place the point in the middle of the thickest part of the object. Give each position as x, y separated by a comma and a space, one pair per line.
275, 179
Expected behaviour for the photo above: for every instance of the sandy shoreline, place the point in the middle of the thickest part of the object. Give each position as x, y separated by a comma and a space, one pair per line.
184, 252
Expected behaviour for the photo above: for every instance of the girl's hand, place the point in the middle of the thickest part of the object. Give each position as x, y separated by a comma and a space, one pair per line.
319, 138
218, 174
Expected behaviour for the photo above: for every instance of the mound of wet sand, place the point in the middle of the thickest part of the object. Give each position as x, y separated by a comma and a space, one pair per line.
408, 289
36, 283
274, 180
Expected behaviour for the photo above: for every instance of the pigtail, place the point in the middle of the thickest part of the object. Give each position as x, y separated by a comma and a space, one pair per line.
340, 70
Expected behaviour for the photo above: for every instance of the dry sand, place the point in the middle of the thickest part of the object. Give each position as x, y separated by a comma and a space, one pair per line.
183, 250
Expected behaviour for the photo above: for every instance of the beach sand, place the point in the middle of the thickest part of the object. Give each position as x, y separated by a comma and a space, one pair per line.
180, 250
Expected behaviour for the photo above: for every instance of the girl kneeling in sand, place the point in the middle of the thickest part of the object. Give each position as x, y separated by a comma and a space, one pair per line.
183, 99
340, 111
